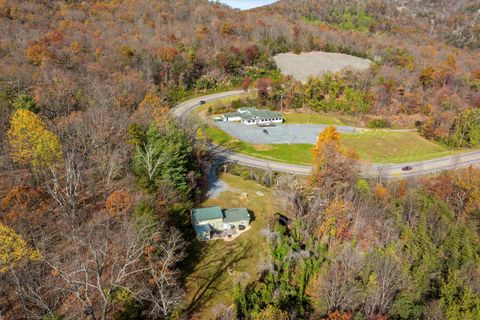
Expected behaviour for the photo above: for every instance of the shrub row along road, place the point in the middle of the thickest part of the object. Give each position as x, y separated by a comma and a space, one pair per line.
368, 169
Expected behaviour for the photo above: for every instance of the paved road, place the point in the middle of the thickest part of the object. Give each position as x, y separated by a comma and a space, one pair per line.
368, 170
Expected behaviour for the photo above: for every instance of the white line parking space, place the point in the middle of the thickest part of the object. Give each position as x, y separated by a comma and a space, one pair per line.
278, 134
368, 169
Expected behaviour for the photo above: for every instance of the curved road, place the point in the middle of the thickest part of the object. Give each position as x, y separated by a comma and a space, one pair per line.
368, 170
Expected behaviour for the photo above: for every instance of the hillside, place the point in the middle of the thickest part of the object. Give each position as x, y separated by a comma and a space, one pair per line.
98, 178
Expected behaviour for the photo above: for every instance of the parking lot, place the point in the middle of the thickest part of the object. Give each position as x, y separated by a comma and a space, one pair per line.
279, 134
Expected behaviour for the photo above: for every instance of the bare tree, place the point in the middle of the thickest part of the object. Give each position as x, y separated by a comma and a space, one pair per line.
151, 159
338, 286
166, 293
111, 257
64, 185
383, 289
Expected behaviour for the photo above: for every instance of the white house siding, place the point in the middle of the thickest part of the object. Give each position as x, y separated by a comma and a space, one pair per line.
238, 223
216, 223
262, 121
232, 119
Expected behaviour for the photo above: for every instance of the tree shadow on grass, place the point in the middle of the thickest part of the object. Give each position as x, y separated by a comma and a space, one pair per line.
219, 258
252, 215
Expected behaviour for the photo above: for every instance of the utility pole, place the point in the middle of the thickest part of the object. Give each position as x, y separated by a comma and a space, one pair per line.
281, 97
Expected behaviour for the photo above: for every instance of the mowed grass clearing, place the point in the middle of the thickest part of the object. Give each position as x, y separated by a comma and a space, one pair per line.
394, 146
377, 146
222, 102
221, 263
294, 153
313, 118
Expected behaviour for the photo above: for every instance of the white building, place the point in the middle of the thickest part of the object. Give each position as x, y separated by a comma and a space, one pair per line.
250, 116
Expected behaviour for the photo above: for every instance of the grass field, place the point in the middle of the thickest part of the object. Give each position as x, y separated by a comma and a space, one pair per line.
221, 263
221, 102
373, 146
216, 103
313, 118
394, 146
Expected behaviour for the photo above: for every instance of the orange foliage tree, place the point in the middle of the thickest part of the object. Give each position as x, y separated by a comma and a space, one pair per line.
118, 202
37, 53
338, 315
153, 106
23, 202
334, 168
335, 220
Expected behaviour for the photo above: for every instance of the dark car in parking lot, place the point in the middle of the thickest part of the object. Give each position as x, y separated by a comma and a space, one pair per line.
265, 131
407, 168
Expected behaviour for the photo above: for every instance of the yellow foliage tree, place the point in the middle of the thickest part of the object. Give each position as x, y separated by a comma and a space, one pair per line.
14, 250
328, 137
468, 184
226, 28
335, 222
31, 141
271, 313
329, 134
335, 168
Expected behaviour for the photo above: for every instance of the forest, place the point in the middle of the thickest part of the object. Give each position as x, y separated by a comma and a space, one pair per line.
97, 178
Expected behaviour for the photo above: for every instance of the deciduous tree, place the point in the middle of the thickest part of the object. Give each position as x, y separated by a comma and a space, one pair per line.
14, 251
30, 140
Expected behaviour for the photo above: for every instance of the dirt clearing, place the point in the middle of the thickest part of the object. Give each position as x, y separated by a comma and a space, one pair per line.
301, 66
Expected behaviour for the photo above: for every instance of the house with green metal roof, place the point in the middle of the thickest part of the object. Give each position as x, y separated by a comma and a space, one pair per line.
251, 116
236, 217
207, 221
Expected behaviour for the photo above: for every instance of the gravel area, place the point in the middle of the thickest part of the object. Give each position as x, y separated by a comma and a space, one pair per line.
215, 185
280, 134
303, 65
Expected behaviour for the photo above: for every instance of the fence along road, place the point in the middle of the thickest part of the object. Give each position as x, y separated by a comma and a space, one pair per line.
367, 169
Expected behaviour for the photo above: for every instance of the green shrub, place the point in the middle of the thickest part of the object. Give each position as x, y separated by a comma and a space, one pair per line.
24, 101
378, 124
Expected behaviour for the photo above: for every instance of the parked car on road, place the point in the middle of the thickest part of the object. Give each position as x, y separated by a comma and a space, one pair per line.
202, 102
407, 168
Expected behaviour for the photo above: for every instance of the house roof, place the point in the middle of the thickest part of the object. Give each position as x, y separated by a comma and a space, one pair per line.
254, 113
232, 114
202, 229
261, 114
236, 215
205, 214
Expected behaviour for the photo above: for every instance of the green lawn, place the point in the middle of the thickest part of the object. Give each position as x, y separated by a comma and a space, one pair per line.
221, 263
221, 102
374, 146
393, 147
294, 153
313, 118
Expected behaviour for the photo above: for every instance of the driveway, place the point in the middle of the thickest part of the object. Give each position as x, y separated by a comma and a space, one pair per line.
368, 170
280, 134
